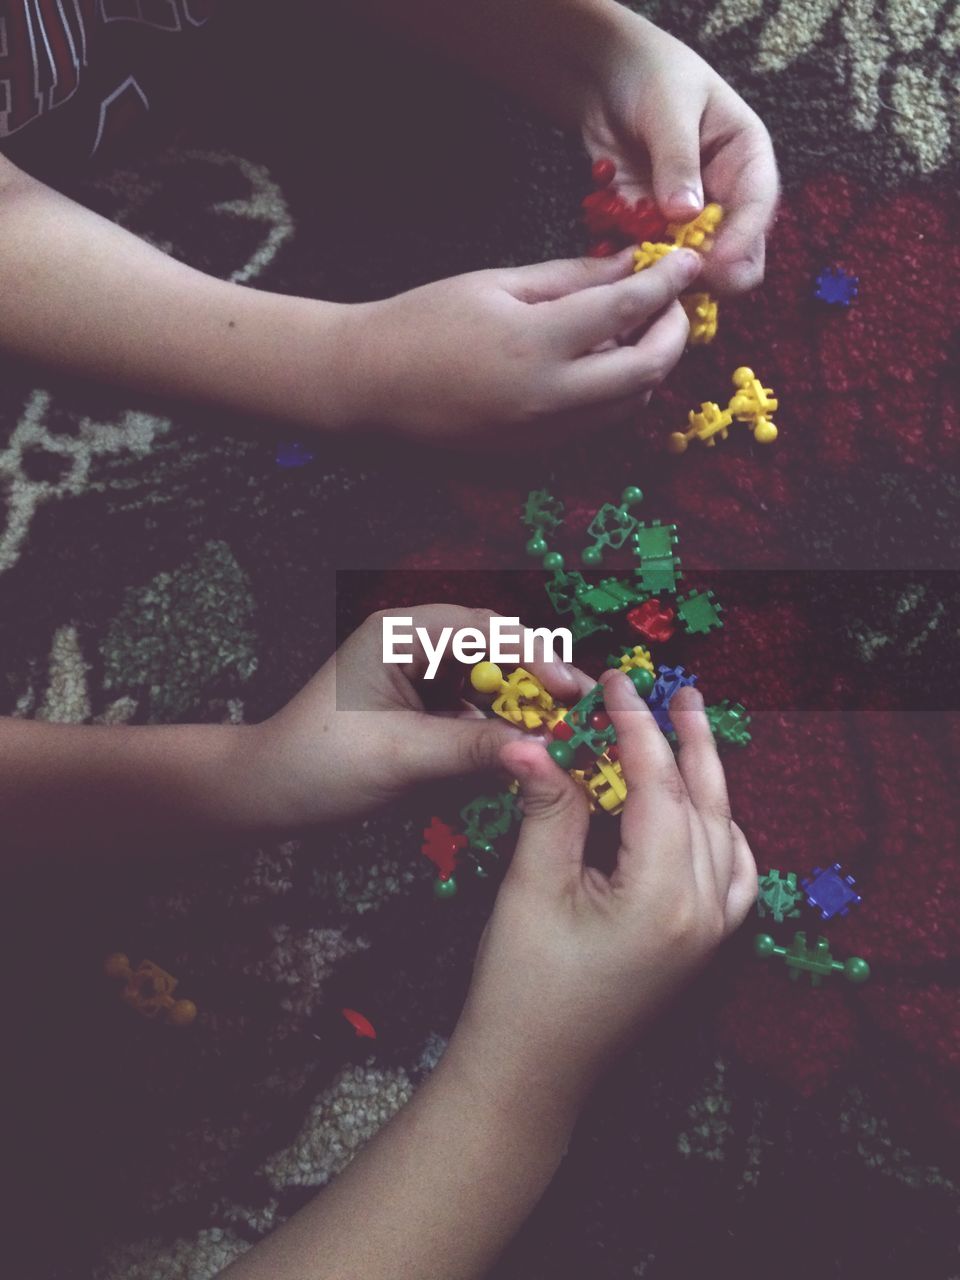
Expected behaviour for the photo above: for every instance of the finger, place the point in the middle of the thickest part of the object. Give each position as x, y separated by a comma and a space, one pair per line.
544, 281
581, 321
674, 146
555, 818
629, 371
706, 784
748, 185
431, 747
742, 893
657, 799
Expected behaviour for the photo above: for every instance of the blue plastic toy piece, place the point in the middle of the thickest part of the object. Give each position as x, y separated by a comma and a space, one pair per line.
292, 453
830, 892
835, 287
670, 680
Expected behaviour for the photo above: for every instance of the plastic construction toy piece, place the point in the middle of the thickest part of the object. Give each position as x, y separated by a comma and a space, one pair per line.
441, 844
835, 287
779, 897
611, 526
754, 403
293, 453
653, 621
649, 253
670, 680
699, 232
486, 818
730, 723
702, 312
830, 892
149, 989
706, 423
698, 613
659, 567
361, 1025
632, 659
610, 595
815, 961
520, 697
542, 513
584, 730
565, 592
605, 785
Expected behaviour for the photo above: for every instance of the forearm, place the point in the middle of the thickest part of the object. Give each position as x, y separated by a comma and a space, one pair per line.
545, 50
435, 1196
91, 297
100, 788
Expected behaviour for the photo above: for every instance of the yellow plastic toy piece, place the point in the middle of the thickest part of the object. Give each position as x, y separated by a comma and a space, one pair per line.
637, 657
701, 311
149, 989
649, 253
698, 233
605, 785
521, 698
711, 421
754, 403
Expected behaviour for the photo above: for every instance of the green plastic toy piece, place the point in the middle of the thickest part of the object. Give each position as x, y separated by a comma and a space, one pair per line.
610, 595
487, 817
778, 897
565, 592
729, 723
542, 511
659, 568
698, 612
444, 888
611, 526
815, 961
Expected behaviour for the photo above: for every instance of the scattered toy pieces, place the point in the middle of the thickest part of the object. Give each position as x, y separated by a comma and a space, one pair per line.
779, 896
699, 613
653, 621
752, 403
611, 526
361, 1025
730, 722
659, 567
441, 844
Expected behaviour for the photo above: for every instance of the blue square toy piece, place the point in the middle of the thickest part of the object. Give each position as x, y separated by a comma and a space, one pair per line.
293, 453
830, 892
835, 287
669, 681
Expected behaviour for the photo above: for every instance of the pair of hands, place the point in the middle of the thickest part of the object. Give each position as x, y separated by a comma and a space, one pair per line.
572, 961
583, 342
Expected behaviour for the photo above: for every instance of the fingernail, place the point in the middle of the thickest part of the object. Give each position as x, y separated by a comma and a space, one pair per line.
687, 198
689, 262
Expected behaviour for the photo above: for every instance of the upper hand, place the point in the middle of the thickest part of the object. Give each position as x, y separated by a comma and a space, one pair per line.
358, 735
676, 129
574, 961
523, 350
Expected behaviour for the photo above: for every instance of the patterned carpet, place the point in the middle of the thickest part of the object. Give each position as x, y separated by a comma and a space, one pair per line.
157, 565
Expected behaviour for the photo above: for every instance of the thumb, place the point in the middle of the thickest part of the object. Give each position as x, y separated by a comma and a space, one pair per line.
449, 747
555, 816
674, 148
545, 281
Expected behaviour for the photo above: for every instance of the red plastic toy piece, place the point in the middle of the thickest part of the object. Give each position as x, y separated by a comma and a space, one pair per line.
603, 172
645, 222
441, 845
363, 1026
653, 620
602, 249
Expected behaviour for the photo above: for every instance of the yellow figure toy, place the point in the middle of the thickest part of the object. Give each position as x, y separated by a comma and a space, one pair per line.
701, 311
711, 421
754, 403
149, 989
649, 253
637, 657
698, 233
521, 698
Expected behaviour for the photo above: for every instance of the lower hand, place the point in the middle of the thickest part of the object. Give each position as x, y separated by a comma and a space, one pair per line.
519, 352
573, 962
359, 735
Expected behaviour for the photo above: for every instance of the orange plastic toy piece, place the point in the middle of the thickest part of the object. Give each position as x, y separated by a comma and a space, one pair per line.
149, 989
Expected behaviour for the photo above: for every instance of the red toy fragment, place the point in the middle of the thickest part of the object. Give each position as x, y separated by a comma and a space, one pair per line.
441, 844
653, 621
608, 214
603, 172
363, 1026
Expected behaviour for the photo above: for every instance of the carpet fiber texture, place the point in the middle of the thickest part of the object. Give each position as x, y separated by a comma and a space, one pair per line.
156, 565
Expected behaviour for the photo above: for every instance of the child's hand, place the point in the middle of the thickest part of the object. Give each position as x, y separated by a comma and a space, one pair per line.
673, 126
358, 736
573, 962
523, 350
